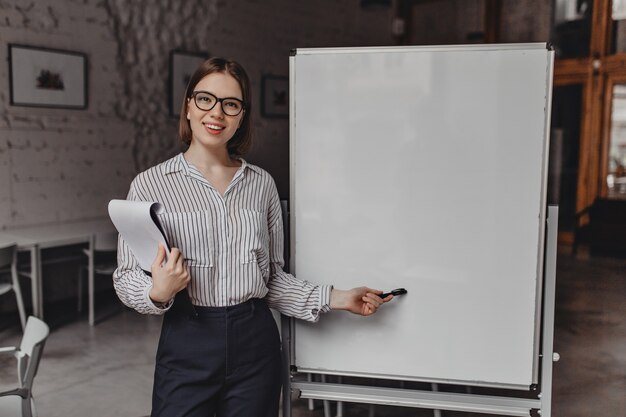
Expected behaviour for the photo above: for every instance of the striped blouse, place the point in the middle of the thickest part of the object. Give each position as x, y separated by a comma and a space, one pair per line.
232, 245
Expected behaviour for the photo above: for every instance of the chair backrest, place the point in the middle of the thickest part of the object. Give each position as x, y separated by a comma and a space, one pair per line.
105, 242
33, 341
36, 332
7, 255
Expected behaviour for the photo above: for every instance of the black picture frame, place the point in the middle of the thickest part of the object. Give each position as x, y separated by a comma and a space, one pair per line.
275, 96
47, 77
182, 66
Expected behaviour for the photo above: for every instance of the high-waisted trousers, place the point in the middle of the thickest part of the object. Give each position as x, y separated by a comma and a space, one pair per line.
223, 362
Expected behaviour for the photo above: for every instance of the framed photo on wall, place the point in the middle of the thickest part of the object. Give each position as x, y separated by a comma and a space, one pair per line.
44, 77
274, 96
182, 66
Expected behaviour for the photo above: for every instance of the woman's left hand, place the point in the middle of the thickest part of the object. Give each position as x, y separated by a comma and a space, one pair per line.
362, 300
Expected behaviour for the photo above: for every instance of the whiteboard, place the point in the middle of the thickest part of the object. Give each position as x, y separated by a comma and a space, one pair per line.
422, 168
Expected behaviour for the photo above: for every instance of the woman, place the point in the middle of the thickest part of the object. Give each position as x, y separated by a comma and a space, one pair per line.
224, 223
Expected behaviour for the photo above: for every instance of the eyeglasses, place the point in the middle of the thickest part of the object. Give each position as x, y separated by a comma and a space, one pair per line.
206, 101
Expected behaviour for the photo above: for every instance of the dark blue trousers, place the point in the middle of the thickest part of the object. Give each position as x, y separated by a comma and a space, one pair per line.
225, 362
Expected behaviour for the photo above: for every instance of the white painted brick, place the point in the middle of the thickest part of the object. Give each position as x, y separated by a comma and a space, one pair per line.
526, 21
5, 181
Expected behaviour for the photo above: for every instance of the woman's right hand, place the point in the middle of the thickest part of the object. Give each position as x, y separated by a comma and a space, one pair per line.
168, 278
361, 300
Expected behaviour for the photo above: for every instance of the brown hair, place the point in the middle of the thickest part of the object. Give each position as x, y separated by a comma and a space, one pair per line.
241, 141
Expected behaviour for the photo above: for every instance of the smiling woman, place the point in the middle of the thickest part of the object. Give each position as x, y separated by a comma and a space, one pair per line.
223, 218
211, 74
213, 125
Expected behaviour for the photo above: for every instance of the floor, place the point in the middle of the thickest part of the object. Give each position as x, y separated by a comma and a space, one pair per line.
106, 370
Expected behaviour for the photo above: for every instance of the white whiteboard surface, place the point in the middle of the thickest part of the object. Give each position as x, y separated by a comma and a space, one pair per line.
422, 168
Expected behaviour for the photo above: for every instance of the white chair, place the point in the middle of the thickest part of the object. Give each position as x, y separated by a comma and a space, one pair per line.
19, 402
8, 263
100, 261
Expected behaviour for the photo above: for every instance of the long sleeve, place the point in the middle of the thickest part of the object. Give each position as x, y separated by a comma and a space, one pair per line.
131, 283
287, 294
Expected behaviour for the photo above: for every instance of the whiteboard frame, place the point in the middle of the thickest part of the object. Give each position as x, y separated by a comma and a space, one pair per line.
387, 49
543, 214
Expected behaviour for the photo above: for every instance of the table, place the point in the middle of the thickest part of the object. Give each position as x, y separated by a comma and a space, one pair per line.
35, 238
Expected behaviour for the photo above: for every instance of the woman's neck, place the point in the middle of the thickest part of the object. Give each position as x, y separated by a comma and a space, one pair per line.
208, 159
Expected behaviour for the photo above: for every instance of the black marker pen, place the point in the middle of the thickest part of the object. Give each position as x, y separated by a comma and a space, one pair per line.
397, 291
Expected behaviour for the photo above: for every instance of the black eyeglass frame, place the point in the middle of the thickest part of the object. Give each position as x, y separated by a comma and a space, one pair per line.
217, 100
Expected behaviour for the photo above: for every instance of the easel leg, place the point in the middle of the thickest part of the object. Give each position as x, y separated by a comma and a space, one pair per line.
548, 312
435, 388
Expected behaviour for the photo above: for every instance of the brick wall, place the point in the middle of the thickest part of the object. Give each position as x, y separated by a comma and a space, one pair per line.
451, 21
526, 21
61, 165
58, 165
446, 22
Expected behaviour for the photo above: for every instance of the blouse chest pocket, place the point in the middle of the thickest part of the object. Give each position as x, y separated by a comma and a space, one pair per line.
254, 237
191, 232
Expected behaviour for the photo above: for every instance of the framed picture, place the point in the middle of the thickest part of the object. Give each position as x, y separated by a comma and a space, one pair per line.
274, 96
182, 66
43, 77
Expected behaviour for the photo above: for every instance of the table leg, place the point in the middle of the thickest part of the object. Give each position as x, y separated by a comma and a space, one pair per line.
36, 284
91, 280
40, 280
